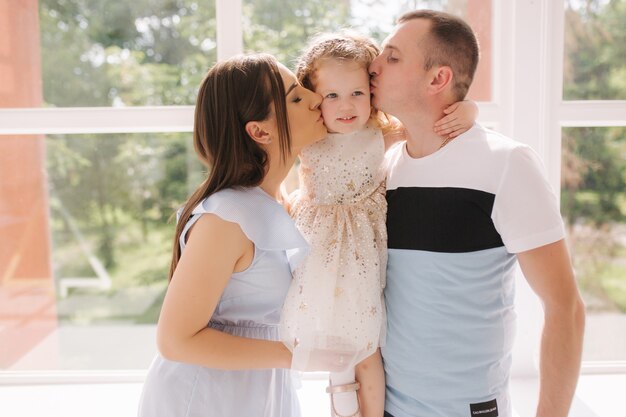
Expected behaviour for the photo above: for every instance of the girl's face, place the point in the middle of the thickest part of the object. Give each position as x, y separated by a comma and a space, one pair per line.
303, 112
345, 89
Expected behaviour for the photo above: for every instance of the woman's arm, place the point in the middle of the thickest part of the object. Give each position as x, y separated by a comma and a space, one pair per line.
215, 250
460, 118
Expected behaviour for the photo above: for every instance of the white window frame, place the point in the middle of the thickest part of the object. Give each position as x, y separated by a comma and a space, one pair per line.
527, 105
534, 112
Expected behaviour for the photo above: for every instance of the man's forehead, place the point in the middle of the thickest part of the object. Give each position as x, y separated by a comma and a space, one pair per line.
392, 47
397, 38
406, 34
389, 42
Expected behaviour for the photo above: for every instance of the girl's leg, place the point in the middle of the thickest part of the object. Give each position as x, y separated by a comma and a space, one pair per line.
344, 403
371, 375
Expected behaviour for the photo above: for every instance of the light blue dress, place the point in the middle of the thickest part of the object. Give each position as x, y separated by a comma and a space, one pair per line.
250, 307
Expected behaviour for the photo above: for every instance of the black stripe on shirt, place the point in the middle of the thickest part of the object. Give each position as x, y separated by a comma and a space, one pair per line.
451, 220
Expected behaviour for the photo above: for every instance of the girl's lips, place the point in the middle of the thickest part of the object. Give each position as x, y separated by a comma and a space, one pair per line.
346, 120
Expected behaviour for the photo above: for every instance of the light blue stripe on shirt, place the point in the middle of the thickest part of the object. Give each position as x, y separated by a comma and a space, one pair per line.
451, 325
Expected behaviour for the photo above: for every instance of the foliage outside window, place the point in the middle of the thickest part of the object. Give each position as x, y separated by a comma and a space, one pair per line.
141, 52
593, 170
595, 50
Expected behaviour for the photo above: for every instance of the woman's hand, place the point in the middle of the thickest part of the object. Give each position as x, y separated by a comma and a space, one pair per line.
321, 360
460, 118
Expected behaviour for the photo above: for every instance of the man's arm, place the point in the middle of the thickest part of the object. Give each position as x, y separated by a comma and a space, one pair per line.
549, 272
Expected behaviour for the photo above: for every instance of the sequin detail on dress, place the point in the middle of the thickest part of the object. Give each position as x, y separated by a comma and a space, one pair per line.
335, 301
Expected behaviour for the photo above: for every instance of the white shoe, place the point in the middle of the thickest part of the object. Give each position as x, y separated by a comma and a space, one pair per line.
336, 389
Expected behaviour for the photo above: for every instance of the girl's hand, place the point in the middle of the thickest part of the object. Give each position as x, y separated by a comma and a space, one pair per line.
460, 118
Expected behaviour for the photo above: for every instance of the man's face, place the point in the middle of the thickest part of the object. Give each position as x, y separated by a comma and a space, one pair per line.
399, 82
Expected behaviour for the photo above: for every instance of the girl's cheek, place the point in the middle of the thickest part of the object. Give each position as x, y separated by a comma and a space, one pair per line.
326, 109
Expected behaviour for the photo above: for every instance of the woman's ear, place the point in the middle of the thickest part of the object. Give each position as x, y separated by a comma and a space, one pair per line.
442, 78
259, 132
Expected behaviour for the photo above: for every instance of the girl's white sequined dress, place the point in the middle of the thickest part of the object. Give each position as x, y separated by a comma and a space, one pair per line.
335, 302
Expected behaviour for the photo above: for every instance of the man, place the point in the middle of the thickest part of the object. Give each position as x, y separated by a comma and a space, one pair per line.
461, 213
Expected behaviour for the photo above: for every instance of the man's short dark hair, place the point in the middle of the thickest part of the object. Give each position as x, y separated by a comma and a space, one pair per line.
453, 43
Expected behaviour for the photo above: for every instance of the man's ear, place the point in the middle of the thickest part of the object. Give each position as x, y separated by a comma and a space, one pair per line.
259, 132
442, 78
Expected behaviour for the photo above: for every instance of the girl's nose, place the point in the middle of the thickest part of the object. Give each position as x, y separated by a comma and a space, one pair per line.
344, 104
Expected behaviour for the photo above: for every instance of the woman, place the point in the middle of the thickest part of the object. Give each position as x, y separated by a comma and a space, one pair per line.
220, 353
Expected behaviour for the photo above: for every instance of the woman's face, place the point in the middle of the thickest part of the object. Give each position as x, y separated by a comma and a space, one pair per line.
303, 112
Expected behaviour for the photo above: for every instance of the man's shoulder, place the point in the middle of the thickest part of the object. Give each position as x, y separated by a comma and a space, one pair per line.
485, 150
489, 139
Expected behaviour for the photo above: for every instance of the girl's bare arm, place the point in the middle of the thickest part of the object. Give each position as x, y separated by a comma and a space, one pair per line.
371, 375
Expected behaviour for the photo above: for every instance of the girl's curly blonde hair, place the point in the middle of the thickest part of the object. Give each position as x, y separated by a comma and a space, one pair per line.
344, 45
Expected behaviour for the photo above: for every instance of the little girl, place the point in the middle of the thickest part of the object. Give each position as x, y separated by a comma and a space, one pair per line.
334, 311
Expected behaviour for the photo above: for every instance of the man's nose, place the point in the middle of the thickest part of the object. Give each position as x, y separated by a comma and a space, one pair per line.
373, 69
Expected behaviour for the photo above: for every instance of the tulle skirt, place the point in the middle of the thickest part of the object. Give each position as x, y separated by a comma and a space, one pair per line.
334, 310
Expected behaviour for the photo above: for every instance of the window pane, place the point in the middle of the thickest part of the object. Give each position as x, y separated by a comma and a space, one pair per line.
113, 53
593, 203
85, 252
283, 27
595, 50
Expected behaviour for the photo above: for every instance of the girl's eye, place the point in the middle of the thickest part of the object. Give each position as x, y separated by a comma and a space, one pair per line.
331, 95
296, 100
392, 59
357, 93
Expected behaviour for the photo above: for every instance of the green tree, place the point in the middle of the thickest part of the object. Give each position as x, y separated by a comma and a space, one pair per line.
283, 27
144, 52
595, 67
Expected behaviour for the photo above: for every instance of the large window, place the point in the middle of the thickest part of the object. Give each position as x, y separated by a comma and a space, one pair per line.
593, 171
86, 203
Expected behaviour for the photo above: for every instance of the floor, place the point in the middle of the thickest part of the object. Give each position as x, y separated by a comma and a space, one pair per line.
597, 396
74, 392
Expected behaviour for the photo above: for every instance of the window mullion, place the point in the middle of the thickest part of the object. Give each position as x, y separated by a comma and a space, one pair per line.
592, 113
96, 120
229, 28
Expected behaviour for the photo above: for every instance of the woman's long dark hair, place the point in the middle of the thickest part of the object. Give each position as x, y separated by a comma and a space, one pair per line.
233, 93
